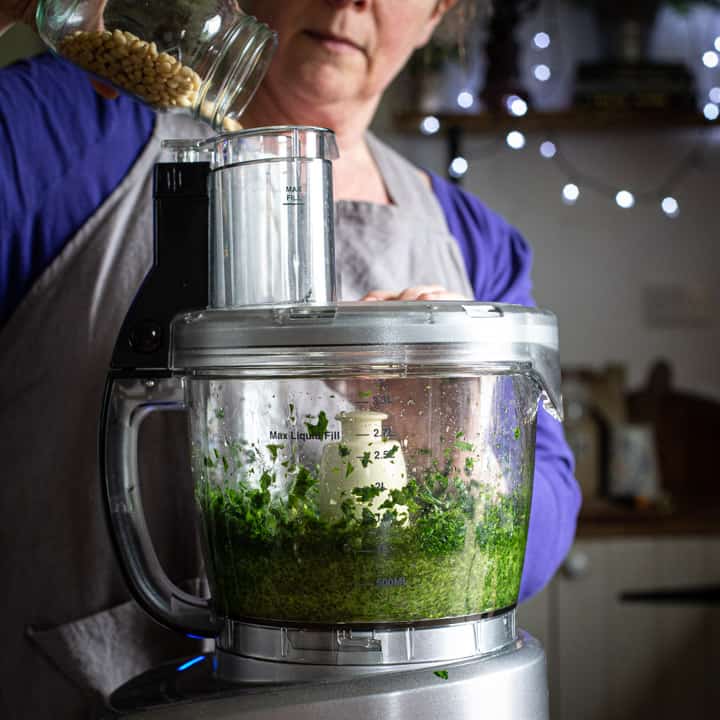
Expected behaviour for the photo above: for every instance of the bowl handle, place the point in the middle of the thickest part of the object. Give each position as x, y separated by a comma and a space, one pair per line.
127, 401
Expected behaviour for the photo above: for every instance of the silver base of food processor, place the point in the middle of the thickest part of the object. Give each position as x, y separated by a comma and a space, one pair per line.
478, 669
298, 652
507, 685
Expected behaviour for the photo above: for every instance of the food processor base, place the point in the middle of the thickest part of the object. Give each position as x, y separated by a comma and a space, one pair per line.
507, 685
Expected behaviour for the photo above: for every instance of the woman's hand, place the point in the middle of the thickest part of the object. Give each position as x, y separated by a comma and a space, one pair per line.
419, 292
23, 11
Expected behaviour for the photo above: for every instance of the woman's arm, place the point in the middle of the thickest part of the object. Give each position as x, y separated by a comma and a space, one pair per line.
63, 150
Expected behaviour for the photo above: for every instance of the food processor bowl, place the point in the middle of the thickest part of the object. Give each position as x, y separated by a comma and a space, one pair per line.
359, 468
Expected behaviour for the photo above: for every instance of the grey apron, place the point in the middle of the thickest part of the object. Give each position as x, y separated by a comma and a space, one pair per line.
68, 637
69, 634
393, 247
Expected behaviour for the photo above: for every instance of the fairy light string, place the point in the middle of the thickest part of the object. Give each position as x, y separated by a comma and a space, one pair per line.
547, 49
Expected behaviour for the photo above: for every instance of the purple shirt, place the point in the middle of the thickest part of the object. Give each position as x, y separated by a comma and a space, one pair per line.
63, 150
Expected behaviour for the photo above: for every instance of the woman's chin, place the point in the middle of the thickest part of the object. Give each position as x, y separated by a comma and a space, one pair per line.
321, 96
321, 81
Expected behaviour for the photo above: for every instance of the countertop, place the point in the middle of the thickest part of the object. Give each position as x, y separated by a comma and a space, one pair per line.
603, 518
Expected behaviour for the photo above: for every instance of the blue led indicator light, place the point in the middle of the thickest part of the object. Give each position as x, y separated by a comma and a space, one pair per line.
190, 663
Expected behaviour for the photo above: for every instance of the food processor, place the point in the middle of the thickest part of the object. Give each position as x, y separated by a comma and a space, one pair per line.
362, 471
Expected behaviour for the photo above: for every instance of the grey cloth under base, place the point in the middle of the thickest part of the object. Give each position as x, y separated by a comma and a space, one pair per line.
100, 652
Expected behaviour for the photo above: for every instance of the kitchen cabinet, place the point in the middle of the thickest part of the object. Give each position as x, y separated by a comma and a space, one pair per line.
610, 659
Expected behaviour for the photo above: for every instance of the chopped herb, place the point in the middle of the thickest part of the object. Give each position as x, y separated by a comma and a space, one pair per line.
462, 445
273, 449
459, 546
365, 393
366, 459
219, 413
517, 433
469, 464
225, 463
344, 450
392, 451
318, 429
266, 480
303, 482
442, 674
347, 507
367, 493
349, 468
459, 434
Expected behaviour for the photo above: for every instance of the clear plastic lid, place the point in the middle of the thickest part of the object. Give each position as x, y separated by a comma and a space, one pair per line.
389, 337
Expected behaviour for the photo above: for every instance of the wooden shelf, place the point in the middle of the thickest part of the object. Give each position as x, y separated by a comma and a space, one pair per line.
600, 518
575, 120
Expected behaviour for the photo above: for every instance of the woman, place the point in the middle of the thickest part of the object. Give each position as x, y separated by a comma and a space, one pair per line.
75, 243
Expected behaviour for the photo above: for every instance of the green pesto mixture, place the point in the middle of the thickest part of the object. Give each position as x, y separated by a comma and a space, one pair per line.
455, 551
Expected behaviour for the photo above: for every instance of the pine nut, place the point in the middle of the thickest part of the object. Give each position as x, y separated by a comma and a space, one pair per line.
133, 64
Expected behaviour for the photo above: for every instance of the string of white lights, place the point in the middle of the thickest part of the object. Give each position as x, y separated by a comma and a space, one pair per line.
576, 181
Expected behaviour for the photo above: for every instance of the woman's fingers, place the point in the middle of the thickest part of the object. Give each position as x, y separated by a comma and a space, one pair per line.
414, 293
441, 296
380, 295
419, 292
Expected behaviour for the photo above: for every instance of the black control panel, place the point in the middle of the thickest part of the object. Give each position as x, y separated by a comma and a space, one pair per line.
178, 279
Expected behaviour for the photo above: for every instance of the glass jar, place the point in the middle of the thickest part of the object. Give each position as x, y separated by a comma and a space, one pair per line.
204, 57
